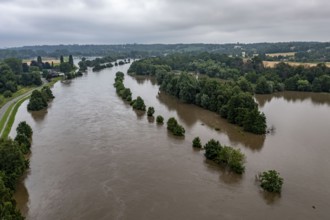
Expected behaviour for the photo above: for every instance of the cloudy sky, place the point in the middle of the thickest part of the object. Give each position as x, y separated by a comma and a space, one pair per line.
37, 22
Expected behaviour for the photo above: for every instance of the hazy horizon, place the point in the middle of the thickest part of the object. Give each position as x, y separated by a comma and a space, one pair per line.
42, 22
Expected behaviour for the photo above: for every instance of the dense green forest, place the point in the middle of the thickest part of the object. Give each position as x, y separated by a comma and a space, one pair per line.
249, 75
305, 51
225, 85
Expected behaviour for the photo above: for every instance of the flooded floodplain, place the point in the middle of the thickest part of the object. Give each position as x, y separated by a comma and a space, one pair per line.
93, 157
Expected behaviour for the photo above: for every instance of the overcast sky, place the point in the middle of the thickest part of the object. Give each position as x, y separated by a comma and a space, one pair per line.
37, 22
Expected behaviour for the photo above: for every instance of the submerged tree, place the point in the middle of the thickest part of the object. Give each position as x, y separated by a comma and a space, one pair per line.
197, 142
150, 111
271, 181
175, 127
138, 104
160, 119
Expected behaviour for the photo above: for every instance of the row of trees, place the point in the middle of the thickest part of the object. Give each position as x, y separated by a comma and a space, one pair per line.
39, 99
138, 104
98, 64
12, 166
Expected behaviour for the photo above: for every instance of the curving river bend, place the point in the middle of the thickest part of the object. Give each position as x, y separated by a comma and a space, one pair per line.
93, 157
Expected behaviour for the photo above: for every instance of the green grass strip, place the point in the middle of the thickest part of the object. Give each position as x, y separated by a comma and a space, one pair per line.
5, 116
12, 117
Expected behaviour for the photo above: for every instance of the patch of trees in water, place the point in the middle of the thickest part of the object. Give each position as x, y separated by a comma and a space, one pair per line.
39, 99
13, 164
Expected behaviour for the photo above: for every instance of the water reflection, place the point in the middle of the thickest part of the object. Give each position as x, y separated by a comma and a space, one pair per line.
139, 114
315, 98
143, 79
151, 119
39, 116
21, 195
187, 113
225, 175
270, 198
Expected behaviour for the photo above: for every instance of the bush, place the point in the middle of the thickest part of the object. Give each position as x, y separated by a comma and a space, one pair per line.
197, 142
271, 181
7, 94
150, 111
160, 119
174, 127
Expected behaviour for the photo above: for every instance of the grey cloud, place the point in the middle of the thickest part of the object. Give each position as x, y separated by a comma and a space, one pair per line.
161, 21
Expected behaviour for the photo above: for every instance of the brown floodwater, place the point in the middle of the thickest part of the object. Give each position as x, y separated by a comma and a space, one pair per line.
93, 157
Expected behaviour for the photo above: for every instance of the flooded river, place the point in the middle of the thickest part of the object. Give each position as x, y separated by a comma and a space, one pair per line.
93, 157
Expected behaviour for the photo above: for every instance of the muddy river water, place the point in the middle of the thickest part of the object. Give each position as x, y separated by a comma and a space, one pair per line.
93, 157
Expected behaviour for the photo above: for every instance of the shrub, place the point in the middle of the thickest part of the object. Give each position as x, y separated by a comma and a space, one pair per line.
197, 142
7, 94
